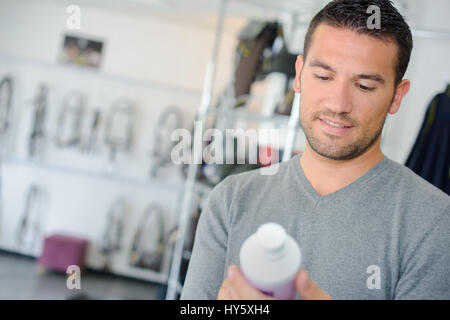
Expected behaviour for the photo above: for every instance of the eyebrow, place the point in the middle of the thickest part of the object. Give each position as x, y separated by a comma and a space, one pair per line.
317, 63
375, 77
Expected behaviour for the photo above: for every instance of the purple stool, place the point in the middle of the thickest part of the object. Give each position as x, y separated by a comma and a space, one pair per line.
61, 251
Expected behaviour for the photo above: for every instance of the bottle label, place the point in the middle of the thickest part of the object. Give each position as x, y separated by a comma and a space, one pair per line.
268, 293
283, 292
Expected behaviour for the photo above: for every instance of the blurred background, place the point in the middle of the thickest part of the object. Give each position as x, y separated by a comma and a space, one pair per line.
90, 92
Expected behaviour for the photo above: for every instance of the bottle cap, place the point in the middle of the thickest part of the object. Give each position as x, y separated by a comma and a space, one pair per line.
271, 237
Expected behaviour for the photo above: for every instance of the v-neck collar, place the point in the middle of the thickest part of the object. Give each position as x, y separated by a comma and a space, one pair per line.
316, 197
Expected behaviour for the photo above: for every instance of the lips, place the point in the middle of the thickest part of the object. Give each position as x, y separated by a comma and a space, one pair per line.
335, 123
335, 127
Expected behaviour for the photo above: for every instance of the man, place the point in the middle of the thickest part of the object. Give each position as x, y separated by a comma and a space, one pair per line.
368, 228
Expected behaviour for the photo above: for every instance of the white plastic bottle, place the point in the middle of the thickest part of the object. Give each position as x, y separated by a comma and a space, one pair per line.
270, 260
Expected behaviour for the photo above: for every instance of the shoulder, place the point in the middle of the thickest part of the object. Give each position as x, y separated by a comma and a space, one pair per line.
414, 188
419, 208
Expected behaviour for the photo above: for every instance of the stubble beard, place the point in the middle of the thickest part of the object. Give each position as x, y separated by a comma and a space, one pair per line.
361, 144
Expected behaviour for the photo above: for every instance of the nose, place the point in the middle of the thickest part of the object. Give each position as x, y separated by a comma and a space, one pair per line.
339, 97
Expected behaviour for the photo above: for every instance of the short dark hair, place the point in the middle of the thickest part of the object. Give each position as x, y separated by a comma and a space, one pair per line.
352, 14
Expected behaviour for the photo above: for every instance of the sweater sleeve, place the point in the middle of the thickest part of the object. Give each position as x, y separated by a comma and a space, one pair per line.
426, 274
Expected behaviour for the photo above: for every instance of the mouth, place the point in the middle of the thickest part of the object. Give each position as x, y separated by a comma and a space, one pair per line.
334, 127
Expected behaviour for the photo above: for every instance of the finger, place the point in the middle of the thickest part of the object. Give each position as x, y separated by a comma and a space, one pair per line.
224, 293
229, 293
240, 288
308, 289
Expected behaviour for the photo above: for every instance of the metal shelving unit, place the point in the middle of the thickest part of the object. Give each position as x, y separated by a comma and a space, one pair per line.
173, 285
291, 122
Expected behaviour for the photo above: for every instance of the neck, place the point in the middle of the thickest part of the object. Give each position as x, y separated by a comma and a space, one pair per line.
328, 176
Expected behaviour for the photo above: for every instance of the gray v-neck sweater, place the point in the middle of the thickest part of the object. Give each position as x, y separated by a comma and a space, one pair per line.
384, 236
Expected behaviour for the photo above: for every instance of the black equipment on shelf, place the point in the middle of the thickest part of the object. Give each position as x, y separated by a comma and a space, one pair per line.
29, 228
149, 241
91, 145
68, 131
253, 39
119, 127
39, 113
6, 93
169, 120
113, 229
261, 50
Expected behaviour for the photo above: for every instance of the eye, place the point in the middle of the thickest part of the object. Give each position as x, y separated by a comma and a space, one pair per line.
364, 88
322, 78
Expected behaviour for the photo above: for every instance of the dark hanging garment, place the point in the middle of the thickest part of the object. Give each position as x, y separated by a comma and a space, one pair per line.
430, 155
255, 37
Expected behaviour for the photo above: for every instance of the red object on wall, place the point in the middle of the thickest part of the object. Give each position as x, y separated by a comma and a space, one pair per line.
265, 157
61, 251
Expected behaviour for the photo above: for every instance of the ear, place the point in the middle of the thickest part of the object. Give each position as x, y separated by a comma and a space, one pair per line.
298, 70
400, 92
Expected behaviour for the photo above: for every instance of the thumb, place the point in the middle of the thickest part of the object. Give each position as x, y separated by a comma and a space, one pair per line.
308, 289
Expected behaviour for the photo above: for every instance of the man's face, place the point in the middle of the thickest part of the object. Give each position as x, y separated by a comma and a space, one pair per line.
347, 87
